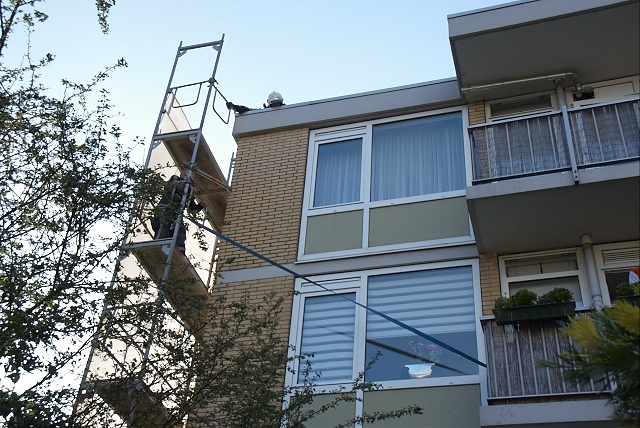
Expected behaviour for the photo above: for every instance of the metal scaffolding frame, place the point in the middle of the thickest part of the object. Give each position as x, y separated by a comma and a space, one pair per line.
188, 150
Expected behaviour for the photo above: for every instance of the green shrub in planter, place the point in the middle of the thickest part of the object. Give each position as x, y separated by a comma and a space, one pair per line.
628, 293
557, 295
525, 306
524, 297
503, 302
624, 289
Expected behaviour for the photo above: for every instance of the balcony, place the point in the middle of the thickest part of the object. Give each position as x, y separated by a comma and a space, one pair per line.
548, 179
519, 393
512, 353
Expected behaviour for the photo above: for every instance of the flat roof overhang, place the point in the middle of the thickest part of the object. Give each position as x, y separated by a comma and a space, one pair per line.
552, 211
350, 109
537, 38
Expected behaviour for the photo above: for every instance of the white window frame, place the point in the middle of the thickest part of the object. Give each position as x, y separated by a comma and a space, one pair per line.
622, 264
581, 273
608, 91
357, 282
364, 130
489, 117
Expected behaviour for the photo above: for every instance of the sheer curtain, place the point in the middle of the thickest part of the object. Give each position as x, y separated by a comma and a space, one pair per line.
338, 173
417, 157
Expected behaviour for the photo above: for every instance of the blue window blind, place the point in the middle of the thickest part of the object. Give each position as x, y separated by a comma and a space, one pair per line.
328, 333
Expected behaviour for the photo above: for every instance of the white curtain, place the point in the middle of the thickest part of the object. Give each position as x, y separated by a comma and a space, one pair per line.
417, 157
338, 173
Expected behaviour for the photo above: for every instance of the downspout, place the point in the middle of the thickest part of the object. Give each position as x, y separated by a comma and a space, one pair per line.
562, 102
592, 272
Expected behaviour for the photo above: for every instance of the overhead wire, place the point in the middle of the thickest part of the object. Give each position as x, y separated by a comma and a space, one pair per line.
367, 308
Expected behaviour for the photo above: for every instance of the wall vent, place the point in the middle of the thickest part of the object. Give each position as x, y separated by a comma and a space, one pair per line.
621, 257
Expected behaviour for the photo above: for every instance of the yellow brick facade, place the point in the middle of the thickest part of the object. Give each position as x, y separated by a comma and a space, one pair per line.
476, 112
489, 270
257, 289
265, 205
489, 281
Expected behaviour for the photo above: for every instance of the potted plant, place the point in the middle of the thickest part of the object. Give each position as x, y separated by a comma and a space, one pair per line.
425, 357
526, 306
629, 293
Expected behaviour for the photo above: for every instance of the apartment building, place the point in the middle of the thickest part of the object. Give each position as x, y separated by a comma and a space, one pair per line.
426, 202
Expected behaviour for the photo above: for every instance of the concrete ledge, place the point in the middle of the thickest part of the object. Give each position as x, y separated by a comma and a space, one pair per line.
350, 264
591, 174
546, 413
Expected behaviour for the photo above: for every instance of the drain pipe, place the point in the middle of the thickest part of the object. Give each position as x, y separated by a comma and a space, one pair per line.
562, 103
592, 272
550, 78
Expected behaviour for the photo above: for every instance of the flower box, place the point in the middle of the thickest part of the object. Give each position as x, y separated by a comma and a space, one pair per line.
532, 313
634, 299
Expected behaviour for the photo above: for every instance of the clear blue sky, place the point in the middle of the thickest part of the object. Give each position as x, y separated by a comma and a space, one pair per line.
305, 49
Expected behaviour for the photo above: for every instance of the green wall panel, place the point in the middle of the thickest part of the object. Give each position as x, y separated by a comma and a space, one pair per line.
333, 232
442, 406
420, 221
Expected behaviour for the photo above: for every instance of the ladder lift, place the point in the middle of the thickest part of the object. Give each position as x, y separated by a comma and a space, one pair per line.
177, 279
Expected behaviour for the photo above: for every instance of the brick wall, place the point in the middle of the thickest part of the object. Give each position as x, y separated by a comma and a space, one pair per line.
476, 112
257, 289
265, 205
489, 271
489, 281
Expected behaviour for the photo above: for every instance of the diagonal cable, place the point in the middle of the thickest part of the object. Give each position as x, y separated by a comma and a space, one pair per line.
302, 277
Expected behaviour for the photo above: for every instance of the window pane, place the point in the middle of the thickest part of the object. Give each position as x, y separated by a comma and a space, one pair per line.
541, 265
417, 157
615, 278
327, 332
338, 173
437, 302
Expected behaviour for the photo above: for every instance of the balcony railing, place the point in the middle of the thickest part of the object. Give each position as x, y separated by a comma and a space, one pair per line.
512, 354
542, 143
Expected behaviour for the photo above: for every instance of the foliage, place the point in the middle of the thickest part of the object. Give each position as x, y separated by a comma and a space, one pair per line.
607, 342
625, 289
557, 295
299, 400
503, 302
525, 297
232, 377
64, 198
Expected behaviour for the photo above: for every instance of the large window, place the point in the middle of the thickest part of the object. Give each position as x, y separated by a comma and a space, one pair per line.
417, 157
338, 338
385, 184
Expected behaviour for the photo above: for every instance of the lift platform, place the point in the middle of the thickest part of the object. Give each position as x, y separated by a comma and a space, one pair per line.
118, 393
208, 177
183, 288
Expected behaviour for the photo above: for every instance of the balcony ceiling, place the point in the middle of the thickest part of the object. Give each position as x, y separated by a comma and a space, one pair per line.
551, 211
542, 37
